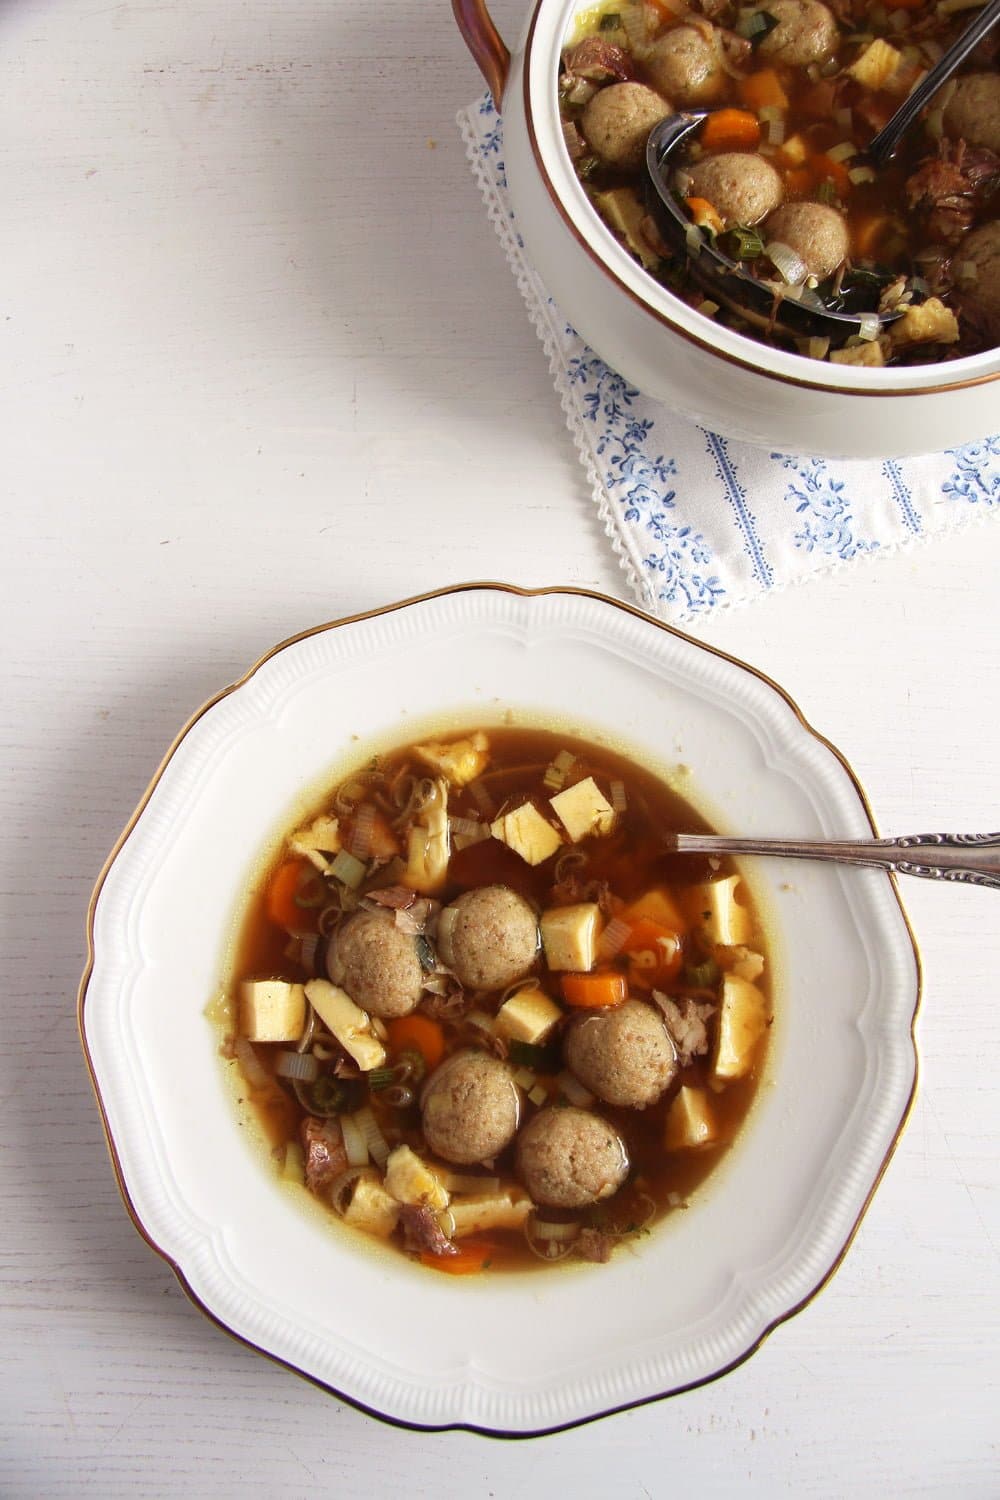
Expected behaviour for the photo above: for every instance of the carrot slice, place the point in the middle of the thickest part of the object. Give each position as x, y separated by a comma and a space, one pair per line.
799, 181
704, 214
657, 954
594, 991
471, 1257
825, 169
280, 903
417, 1033
763, 90
730, 130
658, 905
662, 940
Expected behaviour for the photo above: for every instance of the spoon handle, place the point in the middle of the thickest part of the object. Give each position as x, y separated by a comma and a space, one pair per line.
881, 146
970, 857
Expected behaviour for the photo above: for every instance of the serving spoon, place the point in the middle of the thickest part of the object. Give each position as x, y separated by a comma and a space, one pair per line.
725, 278
973, 858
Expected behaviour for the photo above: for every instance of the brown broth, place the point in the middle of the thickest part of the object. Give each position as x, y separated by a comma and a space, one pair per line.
631, 860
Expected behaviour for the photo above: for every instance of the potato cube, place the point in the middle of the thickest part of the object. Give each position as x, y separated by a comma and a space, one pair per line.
657, 905
746, 963
272, 1010
623, 209
720, 915
690, 1121
876, 65
930, 323
569, 936
371, 1208
794, 151
583, 809
471, 1214
319, 839
526, 832
410, 1180
427, 855
461, 761
742, 1022
429, 844
528, 1016
349, 1023
869, 354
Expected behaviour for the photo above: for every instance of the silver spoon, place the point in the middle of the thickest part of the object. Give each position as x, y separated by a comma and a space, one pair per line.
725, 278
970, 857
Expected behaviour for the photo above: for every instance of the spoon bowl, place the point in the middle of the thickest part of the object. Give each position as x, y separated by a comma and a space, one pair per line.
797, 311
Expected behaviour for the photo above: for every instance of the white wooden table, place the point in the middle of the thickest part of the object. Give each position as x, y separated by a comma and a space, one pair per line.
263, 365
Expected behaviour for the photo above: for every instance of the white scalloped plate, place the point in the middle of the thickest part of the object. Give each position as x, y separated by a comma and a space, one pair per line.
515, 1353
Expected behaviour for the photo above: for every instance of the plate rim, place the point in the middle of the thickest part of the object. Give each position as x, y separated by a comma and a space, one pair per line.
210, 703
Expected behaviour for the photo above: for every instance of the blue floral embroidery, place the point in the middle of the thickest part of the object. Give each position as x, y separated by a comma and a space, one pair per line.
491, 141
977, 477
746, 521
640, 484
694, 591
790, 518
828, 524
902, 495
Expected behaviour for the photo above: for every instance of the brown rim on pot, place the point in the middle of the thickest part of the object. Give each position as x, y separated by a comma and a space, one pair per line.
493, 59
523, 593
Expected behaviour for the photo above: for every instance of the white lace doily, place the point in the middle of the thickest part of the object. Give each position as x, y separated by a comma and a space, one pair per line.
698, 521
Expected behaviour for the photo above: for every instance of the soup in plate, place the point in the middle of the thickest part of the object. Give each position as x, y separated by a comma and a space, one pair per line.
483, 1017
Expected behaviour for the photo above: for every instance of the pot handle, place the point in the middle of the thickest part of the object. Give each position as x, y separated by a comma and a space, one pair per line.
485, 43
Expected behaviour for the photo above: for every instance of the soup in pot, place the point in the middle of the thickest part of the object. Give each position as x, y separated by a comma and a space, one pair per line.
776, 177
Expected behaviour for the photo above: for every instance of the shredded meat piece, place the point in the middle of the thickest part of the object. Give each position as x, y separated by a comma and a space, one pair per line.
950, 188
325, 1154
346, 1067
447, 1007
575, 143
820, 101
574, 889
598, 60
736, 51
686, 1022
414, 919
398, 897
650, 232
874, 111
422, 1232
486, 1041
594, 1245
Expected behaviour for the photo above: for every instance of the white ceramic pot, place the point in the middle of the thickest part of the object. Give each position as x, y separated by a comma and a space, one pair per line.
719, 378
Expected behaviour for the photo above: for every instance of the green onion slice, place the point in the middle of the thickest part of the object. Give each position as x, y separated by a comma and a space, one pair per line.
742, 243
349, 870
380, 1078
